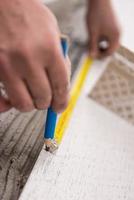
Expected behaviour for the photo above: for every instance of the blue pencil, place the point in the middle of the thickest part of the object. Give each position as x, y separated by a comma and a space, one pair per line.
51, 115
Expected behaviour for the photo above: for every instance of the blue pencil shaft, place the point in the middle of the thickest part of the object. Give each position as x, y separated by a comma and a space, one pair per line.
51, 115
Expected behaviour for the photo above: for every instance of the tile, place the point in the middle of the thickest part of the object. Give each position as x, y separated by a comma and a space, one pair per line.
115, 89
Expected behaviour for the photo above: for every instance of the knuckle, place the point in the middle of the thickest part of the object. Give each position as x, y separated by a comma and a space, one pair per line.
23, 105
24, 49
51, 49
21, 50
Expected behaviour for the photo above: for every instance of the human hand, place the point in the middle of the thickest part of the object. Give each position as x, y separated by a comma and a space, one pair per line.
32, 66
102, 26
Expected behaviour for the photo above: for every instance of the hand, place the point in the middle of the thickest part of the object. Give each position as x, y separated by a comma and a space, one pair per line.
32, 67
102, 26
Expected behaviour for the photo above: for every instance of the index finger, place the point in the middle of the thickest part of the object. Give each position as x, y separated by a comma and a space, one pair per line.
59, 77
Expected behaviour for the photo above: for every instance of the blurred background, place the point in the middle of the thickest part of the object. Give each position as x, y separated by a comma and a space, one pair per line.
70, 15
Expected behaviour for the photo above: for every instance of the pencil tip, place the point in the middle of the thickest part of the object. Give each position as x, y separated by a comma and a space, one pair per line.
47, 148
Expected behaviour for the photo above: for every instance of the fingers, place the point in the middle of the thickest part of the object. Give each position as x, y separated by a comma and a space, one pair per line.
59, 76
39, 88
50, 86
18, 95
15, 88
96, 51
113, 44
102, 25
27, 84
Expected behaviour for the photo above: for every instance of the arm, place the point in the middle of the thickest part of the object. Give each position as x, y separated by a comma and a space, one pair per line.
102, 25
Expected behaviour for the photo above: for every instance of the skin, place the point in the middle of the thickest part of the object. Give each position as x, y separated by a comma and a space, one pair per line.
102, 25
32, 66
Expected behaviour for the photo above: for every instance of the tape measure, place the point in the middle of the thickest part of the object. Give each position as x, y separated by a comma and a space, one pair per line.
75, 93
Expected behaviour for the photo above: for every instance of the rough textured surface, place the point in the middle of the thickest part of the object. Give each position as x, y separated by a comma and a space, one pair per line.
21, 135
21, 140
